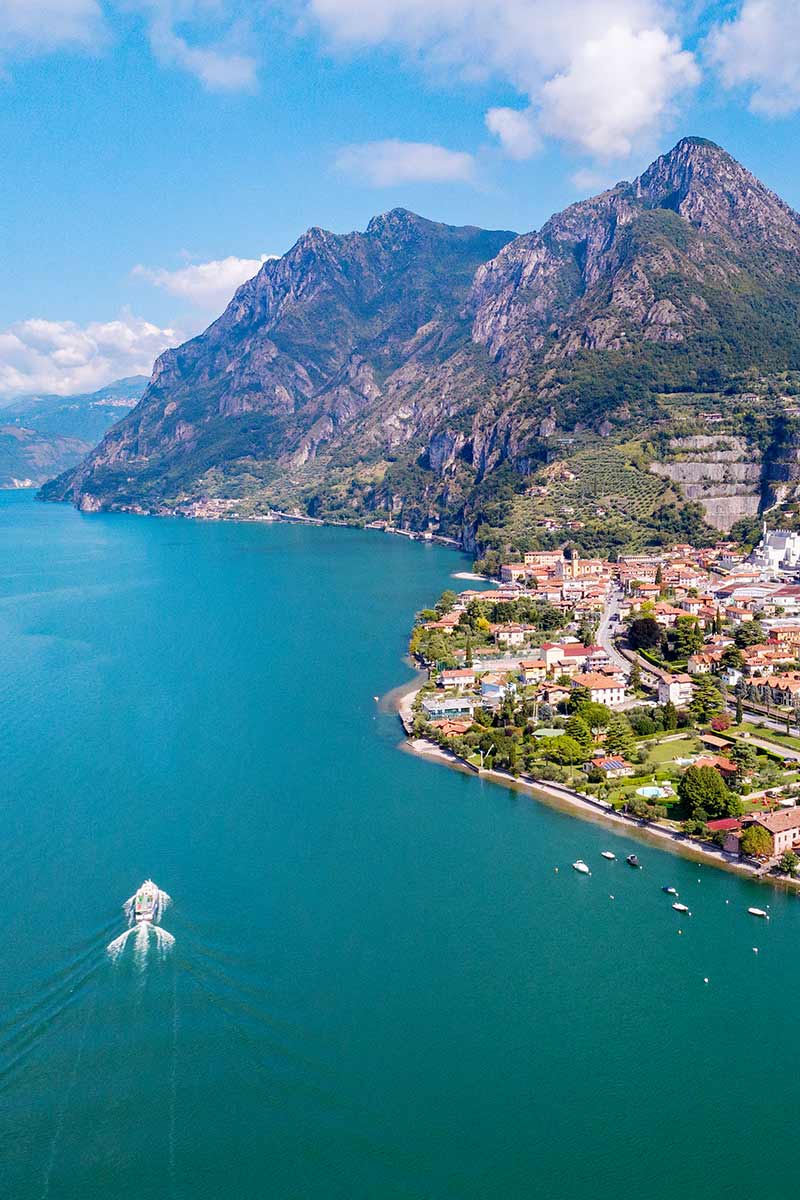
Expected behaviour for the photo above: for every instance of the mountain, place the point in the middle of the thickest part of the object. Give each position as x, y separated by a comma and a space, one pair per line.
43, 434
638, 352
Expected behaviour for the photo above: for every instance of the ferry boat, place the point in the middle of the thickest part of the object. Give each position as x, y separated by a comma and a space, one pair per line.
145, 902
580, 865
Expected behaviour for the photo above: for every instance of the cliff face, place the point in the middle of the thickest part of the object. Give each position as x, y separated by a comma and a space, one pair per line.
407, 370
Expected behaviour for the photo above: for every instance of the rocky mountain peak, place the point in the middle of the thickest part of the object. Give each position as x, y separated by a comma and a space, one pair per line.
405, 364
711, 190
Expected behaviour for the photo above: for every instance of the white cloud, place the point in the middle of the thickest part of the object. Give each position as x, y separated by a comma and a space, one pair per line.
760, 50
207, 285
602, 74
219, 57
39, 26
616, 87
382, 164
516, 130
220, 67
63, 357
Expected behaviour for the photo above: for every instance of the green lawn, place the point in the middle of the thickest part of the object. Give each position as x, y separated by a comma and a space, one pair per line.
661, 753
769, 735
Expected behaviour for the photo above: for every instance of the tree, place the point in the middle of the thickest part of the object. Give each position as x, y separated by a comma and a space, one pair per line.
704, 788
721, 723
732, 658
717, 622
756, 842
659, 579
789, 862
635, 678
688, 636
749, 633
707, 701
446, 602
587, 631
619, 736
739, 710
578, 696
563, 749
577, 729
669, 715
644, 633
745, 758
596, 716
468, 650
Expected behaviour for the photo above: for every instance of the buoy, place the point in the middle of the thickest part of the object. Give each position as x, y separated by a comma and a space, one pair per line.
727, 901
680, 931
611, 897
706, 979
755, 949
556, 870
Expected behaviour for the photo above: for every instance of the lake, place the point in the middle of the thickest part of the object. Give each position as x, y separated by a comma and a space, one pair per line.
380, 986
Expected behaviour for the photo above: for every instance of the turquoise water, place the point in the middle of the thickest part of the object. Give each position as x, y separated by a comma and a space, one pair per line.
380, 987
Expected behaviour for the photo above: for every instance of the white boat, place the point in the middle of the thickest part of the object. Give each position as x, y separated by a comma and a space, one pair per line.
580, 865
681, 908
608, 854
758, 912
145, 901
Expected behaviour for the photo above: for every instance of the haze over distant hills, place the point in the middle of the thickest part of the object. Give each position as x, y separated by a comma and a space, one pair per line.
639, 351
42, 435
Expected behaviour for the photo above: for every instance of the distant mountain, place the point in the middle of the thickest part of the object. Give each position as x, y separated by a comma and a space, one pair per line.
441, 376
40, 435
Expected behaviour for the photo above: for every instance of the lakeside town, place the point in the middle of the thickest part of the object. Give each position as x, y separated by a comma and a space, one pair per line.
661, 689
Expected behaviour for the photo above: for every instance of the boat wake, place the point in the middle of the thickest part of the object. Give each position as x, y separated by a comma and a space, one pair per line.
143, 911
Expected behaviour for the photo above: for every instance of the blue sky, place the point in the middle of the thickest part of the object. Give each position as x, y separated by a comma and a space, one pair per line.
156, 150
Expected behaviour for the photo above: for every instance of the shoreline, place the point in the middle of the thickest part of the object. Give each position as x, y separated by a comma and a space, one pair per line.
568, 801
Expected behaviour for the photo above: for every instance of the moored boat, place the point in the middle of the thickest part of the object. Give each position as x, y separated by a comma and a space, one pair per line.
671, 891
580, 865
758, 912
684, 908
608, 854
633, 861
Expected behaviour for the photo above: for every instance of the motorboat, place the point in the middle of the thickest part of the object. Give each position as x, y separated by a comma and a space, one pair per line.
146, 902
633, 861
671, 891
144, 910
609, 854
758, 912
580, 865
684, 908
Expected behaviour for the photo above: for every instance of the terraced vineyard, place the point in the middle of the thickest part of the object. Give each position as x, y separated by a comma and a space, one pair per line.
601, 488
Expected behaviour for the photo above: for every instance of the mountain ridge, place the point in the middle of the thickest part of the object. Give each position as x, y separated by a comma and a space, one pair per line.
43, 433
425, 373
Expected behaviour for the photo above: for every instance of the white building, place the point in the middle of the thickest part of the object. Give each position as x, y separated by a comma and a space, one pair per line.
677, 688
778, 550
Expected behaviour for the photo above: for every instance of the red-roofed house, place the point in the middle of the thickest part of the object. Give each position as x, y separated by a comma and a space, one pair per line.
603, 689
